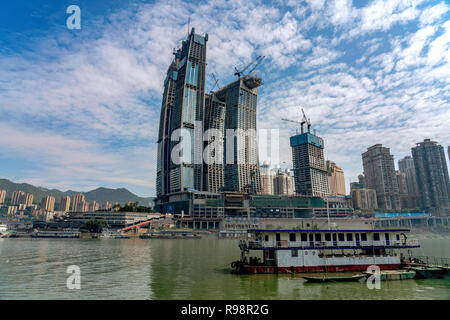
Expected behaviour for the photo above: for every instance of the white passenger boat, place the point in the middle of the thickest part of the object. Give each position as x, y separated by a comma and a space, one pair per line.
299, 251
4, 232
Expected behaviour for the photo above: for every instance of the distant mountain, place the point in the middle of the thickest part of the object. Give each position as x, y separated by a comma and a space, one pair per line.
101, 195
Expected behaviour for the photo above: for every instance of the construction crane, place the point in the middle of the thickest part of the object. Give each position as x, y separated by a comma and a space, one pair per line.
254, 63
216, 82
301, 123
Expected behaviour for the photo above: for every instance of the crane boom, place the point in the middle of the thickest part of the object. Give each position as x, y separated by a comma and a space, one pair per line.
254, 63
301, 123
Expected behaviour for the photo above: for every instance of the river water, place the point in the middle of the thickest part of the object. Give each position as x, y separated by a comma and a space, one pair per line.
175, 269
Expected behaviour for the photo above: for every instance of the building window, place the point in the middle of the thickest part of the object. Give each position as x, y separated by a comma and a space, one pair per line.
349, 237
292, 237
294, 253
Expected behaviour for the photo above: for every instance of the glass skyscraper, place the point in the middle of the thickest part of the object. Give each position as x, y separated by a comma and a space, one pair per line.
187, 113
181, 111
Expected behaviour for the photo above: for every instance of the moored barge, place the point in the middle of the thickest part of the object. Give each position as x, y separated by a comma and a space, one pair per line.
305, 251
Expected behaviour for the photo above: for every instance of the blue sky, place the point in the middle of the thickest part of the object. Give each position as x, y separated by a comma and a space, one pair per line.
80, 108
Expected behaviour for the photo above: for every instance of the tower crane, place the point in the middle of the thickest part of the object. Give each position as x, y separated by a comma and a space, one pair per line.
301, 123
216, 82
252, 64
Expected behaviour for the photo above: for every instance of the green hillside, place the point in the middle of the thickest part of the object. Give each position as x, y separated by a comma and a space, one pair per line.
101, 195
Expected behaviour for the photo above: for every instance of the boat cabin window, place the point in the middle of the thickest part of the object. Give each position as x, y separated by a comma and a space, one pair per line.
376, 237
318, 237
341, 236
292, 237
397, 236
304, 237
327, 236
278, 237
363, 236
294, 253
349, 237
266, 237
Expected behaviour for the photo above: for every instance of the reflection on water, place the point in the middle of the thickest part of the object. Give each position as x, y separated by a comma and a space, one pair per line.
175, 269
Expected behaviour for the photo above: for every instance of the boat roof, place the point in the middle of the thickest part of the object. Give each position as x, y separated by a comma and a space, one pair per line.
328, 230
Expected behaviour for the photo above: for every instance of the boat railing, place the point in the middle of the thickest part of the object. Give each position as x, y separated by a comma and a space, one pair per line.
430, 261
325, 244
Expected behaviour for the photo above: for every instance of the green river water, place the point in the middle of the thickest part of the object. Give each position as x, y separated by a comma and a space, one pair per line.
175, 269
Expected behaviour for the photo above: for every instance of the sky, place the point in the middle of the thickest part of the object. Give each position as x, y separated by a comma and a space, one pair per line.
80, 109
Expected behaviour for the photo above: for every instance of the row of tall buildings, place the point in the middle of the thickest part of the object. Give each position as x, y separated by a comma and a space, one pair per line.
21, 200
421, 181
186, 148
188, 113
276, 182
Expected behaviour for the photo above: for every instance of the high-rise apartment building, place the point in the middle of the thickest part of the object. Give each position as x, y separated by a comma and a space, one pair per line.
107, 206
28, 199
182, 116
361, 184
16, 197
93, 206
48, 203
432, 176
406, 165
379, 173
2, 196
405, 200
283, 183
308, 159
364, 198
267, 177
65, 204
336, 179
401, 181
78, 203
20, 197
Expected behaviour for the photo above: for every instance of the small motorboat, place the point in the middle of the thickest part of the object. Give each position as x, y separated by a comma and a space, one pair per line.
394, 274
333, 278
426, 272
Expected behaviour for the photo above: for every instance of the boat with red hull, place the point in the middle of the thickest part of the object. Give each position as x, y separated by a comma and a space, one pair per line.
309, 251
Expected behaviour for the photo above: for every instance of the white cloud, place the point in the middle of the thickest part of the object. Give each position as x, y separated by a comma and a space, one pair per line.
92, 102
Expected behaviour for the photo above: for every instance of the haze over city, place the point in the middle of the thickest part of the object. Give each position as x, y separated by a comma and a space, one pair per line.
80, 108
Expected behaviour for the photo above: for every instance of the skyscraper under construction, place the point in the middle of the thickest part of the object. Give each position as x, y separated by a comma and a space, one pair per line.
310, 173
182, 109
241, 147
188, 115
